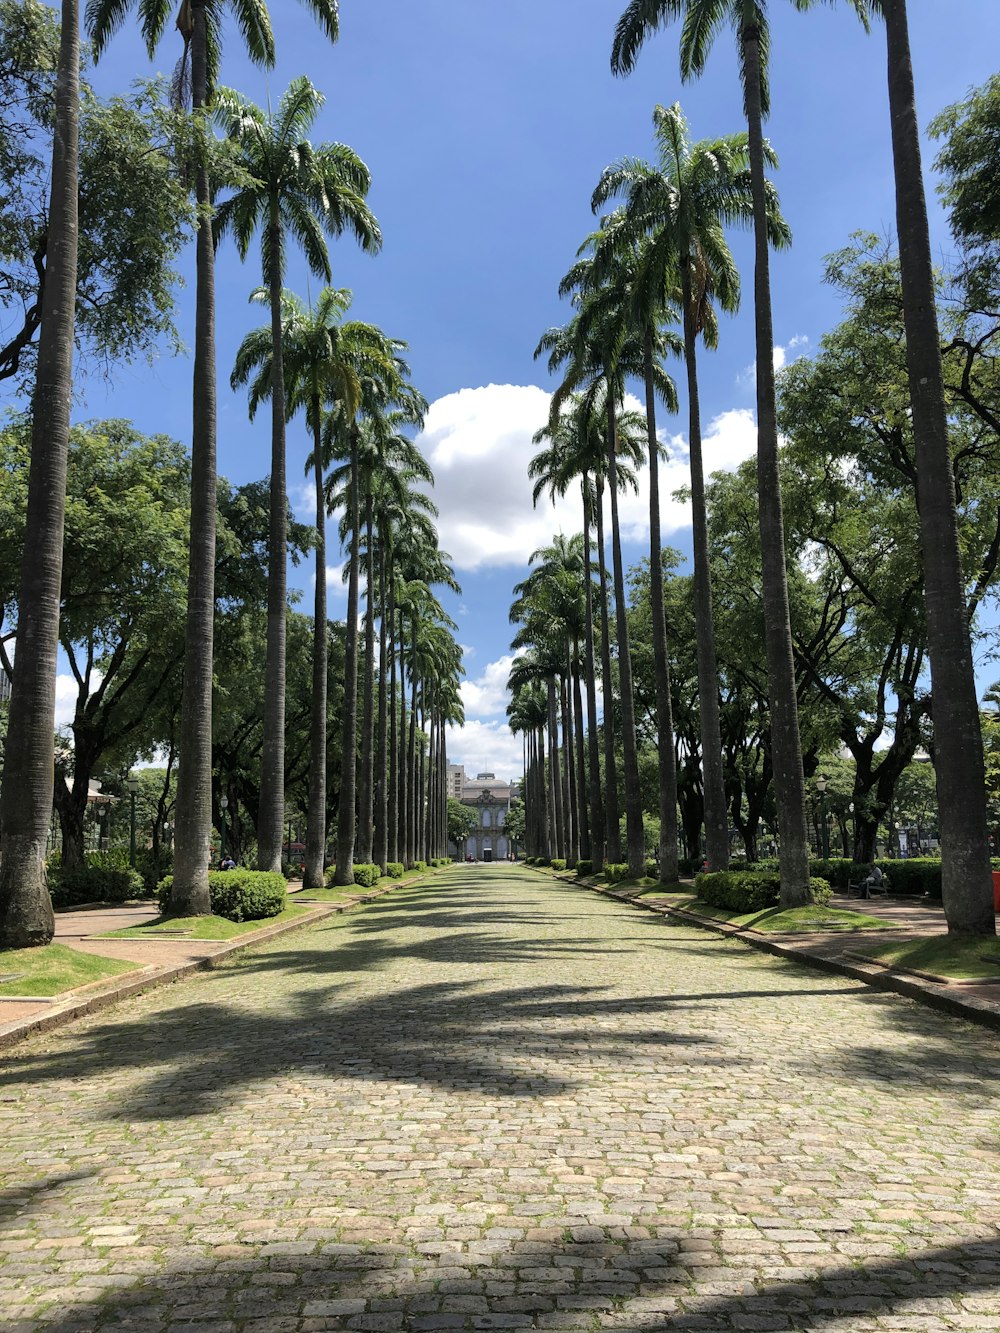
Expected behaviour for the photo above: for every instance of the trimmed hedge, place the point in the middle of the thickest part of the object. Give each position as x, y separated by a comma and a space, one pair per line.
615, 872
745, 891
238, 895
367, 875
419, 865
95, 884
584, 868
558, 863
394, 869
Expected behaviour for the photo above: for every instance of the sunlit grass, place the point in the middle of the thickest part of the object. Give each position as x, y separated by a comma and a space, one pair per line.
54, 968
958, 958
811, 917
203, 927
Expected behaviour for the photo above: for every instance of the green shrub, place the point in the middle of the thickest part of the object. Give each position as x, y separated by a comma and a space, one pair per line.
153, 866
689, 865
615, 872
584, 868
394, 869
558, 863
238, 895
652, 870
94, 884
367, 875
744, 891
838, 871
419, 865
543, 860
920, 875
289, 871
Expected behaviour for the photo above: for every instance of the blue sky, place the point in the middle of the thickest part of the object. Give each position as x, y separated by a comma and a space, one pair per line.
486, 128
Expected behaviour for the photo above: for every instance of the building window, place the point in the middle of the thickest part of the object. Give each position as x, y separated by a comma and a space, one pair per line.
486, 819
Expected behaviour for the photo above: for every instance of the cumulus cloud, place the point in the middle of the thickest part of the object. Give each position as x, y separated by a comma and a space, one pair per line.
486, 695
478, 442
67, 692
486, 747
782, 354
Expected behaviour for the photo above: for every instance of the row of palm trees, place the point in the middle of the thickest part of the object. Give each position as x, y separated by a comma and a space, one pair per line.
661, 259
281, 188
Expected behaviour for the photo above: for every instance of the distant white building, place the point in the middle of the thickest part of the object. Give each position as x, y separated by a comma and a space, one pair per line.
456, 780
490, 798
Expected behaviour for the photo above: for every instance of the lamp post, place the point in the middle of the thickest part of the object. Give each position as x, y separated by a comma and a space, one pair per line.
825, 835
166, 833
223, 806
133, 787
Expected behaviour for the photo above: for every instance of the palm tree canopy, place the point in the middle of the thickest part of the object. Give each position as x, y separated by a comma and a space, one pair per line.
701, 21
288, 187
103, 18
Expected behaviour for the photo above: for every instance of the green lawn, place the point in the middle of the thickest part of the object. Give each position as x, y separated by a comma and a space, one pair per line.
957, 959
53, 969
792, 919
203, 927
678, 893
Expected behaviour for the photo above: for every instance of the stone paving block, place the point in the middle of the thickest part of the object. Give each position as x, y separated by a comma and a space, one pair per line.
502, 1099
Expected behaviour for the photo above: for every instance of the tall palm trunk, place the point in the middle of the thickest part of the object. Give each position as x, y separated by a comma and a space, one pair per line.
541, 797
25, 907
965, 857
713, 778
411, 755
613, 845
271, 814
586, 847
193, 811
392, 814
344, 872
665, 753
785, 746
555, 779
365, 807
316, 821
569, 782
593, 752
635, 834
380, 852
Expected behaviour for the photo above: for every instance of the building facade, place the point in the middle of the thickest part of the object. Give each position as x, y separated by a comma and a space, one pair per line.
490, 798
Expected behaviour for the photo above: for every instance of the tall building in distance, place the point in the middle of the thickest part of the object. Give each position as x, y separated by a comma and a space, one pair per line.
456, 779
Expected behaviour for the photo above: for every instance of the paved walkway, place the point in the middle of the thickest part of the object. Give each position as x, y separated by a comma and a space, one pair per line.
498, 1101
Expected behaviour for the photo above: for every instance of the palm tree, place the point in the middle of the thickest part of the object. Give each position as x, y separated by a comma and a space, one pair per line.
682, 203
601, 349
321, 356
200, 25
748, 18
26, 800
958, 741
290, 188
620, 271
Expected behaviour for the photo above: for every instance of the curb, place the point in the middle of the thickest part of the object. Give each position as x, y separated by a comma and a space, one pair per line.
146, 978
877, 978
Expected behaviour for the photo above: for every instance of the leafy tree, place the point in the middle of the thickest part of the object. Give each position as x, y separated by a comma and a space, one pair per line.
461, 822
26, 917
969, 163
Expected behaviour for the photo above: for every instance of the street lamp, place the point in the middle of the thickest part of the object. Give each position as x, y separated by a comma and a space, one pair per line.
133, 787
166, 833
821, 788
223, 806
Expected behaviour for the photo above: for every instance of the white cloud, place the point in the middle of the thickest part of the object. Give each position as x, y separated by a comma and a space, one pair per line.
747, 378
487, 695
486, 747
67, 692
478, 442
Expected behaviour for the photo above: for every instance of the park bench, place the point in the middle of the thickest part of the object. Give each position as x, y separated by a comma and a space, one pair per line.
862, 888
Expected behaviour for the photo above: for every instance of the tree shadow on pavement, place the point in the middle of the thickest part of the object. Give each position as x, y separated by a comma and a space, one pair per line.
653, 1284
447, 1035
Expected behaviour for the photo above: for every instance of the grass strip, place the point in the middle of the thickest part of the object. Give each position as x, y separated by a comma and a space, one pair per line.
54, 968
202, 927
791, 920
957, 958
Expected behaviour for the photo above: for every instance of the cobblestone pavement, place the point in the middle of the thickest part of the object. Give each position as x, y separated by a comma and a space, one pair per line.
501, 1102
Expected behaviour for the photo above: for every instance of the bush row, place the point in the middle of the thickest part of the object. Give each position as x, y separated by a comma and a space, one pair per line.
95, 884
750, 890
238, 895
919, 875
